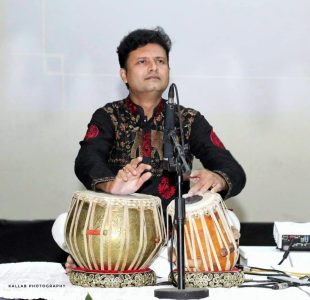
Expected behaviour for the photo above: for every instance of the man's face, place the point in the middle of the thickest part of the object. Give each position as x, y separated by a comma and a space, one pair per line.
147, 69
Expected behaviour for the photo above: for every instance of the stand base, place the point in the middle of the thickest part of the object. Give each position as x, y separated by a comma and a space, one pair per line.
225, 279
106, 279
174, 293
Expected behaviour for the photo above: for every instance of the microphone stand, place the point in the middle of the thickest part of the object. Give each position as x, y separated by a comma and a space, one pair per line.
179, 164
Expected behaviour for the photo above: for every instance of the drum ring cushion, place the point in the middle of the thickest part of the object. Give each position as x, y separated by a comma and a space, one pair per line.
226, 279
136, 278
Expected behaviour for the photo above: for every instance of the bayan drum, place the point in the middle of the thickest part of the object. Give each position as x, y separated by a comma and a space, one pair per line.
210, 238
115, 237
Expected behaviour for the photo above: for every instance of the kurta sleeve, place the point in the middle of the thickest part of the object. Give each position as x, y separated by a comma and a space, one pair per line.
91, 163
208, 148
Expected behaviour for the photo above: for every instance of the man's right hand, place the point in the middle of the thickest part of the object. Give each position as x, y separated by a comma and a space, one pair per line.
128, 180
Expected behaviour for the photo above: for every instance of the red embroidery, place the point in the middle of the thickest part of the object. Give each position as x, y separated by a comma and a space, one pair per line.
92, 132
146, 145
160, 107
132, 107
215, 140
166, 190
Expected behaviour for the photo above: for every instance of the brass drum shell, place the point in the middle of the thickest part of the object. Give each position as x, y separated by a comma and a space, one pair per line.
113, 232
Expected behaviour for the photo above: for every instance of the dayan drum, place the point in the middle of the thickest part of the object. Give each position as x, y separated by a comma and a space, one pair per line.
114, 233
209, 234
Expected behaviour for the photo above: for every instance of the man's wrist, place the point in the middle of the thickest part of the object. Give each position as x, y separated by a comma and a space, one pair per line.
225, 185
104, 186
227, 180
98, 184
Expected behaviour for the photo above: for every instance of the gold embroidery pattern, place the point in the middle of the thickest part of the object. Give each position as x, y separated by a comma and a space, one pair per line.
136, 148
128, 134
119, 280
127, 121
211, 279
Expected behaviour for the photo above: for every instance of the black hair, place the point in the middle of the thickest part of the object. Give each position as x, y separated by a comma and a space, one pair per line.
139, 38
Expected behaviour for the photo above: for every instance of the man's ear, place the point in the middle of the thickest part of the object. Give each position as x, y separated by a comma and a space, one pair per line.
123, 74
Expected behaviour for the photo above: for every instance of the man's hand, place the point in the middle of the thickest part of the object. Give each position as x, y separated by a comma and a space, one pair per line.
206, 180
128, 180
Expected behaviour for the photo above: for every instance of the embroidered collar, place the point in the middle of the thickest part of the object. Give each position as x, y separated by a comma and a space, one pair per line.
135, 109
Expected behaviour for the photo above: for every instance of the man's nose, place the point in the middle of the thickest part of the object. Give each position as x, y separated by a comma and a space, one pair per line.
153, 65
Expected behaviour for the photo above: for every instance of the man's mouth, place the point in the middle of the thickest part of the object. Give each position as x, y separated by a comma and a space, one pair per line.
152, 78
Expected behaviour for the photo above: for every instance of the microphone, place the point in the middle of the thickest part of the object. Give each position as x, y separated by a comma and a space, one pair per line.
169, 127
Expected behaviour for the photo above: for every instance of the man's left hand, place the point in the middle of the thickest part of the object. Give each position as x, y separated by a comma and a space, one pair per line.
206, 180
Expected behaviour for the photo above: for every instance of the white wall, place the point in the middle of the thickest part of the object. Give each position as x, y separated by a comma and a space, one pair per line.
244, 64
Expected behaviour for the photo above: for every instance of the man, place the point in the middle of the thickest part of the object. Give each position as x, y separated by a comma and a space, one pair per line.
122, 151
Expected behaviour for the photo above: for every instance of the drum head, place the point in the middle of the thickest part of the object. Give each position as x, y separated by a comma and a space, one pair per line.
197, 203
131, 199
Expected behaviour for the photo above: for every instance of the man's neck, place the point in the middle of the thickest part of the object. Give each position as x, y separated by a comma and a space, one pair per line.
147, 101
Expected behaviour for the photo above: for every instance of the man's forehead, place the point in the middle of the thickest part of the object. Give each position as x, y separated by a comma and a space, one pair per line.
149, 50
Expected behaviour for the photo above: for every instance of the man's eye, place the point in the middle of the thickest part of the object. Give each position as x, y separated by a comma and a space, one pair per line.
141, 61
161, 61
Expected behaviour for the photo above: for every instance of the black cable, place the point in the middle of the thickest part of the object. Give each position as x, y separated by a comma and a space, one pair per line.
265, 274
265, 285
179, 113
277, 279
271, 285
248, 269
257, 281
287, 252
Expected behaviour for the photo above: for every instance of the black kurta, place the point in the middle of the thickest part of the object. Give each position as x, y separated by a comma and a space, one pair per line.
119, 132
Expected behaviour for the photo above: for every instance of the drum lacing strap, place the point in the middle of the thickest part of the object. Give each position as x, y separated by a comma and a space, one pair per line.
225, 209
230, 222
227, 223
199, 246
188, 240
221, 237
163, 233
209, 241
109, 234
158, 233
72, 212
167, 222
76, 251
192, 245
141, 240
90, 237
144, 238
127, 237
123, 238
103, 226
89, 266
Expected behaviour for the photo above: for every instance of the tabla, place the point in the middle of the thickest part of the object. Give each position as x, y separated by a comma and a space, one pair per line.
114, 233
209, 234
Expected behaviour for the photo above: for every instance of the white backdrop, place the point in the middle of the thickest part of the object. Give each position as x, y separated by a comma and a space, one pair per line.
244, 64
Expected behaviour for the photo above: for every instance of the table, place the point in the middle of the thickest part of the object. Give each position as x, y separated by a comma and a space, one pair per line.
30, 280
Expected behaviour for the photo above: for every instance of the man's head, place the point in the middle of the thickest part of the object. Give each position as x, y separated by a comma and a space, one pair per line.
139, 38
144, 61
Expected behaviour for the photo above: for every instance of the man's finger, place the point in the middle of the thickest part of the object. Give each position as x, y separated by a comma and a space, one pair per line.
143, 167
217, 188
194, 173
195, 188
135, 162
130, 169
146, 176
122, 175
